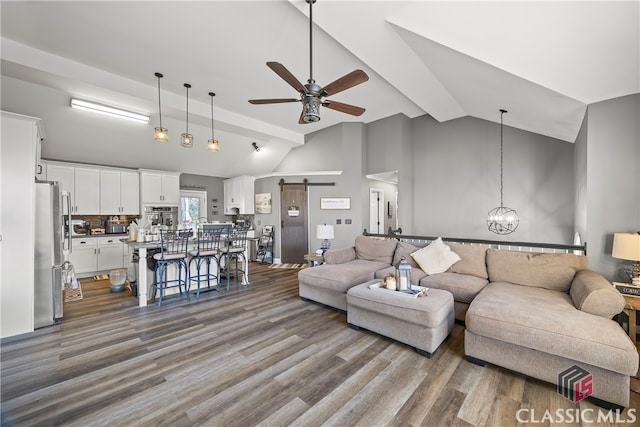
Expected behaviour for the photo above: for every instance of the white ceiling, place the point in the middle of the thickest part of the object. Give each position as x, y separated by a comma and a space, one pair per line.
542, 61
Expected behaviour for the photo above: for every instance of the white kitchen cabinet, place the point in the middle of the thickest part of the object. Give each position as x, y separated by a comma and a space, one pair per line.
159, 188
40, 170
97, 254
109, 253
82, 182
84, 255
119, 192
239, 194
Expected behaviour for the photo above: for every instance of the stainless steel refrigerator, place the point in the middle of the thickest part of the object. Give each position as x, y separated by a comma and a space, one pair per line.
52, 248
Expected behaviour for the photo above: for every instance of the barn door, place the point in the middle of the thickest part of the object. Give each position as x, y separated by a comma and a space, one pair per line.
294, 223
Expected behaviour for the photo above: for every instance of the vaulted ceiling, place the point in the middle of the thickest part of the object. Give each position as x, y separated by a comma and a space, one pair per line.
542, 61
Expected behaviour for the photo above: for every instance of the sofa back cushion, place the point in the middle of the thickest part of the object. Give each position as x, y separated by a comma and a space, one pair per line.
540, 270
404, 250
473, 259
371, 249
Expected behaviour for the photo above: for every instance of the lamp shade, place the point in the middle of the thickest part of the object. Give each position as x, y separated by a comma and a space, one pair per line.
324, 231
626, 246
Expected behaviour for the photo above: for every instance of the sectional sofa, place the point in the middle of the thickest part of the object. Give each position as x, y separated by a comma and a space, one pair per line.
535, 313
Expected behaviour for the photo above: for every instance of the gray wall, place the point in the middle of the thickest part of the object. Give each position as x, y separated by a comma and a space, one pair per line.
612, 179
214, 187
339, 148
457, 180
390, 148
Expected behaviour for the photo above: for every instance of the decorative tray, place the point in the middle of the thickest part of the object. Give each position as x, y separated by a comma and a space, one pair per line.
415, 290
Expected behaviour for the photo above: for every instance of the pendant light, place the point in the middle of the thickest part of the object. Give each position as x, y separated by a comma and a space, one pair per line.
160, 134
502, 219
212, 145
186, 139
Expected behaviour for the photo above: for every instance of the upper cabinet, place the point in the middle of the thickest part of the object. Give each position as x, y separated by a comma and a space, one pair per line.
239, 195
96, 190
119, 192
38, 139
82, 182
159, 188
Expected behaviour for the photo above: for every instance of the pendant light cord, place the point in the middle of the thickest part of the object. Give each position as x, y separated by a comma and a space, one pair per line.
159, 76
187, 86
212, 95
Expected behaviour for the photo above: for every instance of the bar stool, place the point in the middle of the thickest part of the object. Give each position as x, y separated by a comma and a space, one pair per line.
206, 251
233, 251
173, 250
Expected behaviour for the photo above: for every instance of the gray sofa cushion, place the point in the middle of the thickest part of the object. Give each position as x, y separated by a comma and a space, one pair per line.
340, 277
541, 270
593, 294
473, 259
464, 287
404, 250
547, 321
340, 256
370, 249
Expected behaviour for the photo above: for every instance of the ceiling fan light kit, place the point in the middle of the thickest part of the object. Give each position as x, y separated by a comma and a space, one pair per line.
186, 139
312, 94
160, 134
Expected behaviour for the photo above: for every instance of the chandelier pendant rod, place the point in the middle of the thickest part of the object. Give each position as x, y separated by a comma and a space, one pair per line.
501, 158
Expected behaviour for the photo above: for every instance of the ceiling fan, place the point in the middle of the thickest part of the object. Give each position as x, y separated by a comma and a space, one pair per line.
312, 94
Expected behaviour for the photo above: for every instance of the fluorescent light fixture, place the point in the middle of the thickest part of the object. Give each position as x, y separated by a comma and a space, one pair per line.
110, 111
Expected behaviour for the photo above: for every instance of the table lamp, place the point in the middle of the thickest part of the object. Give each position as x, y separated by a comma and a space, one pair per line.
627, 246
324, 232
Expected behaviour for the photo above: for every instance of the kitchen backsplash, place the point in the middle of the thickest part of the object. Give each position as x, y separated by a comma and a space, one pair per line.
98, 221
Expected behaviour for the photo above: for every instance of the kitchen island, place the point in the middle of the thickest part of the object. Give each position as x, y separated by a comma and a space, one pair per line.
144, 283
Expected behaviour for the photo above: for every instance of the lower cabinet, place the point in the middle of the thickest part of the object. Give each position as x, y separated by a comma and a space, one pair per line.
97, 254
84, 255
109, 253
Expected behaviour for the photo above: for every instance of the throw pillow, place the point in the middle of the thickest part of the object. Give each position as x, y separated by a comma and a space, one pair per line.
435, 258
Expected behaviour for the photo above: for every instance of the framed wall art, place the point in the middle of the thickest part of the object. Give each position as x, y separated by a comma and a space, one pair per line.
263, 203
335, 203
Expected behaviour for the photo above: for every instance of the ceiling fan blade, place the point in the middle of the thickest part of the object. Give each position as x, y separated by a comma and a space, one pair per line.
344, 108
272, 101
286, 75
345, 82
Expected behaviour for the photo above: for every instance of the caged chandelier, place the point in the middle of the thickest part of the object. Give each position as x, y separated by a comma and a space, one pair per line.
502, 219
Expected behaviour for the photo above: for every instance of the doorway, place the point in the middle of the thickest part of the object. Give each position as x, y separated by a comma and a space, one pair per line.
294, 213
376, 211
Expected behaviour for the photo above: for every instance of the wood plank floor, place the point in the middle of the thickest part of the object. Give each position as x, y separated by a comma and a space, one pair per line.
256, 355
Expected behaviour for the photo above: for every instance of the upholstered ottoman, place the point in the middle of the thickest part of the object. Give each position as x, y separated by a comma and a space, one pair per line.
422, 323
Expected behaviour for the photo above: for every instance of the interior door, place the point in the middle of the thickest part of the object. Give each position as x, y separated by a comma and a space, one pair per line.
294, 223
376, 211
